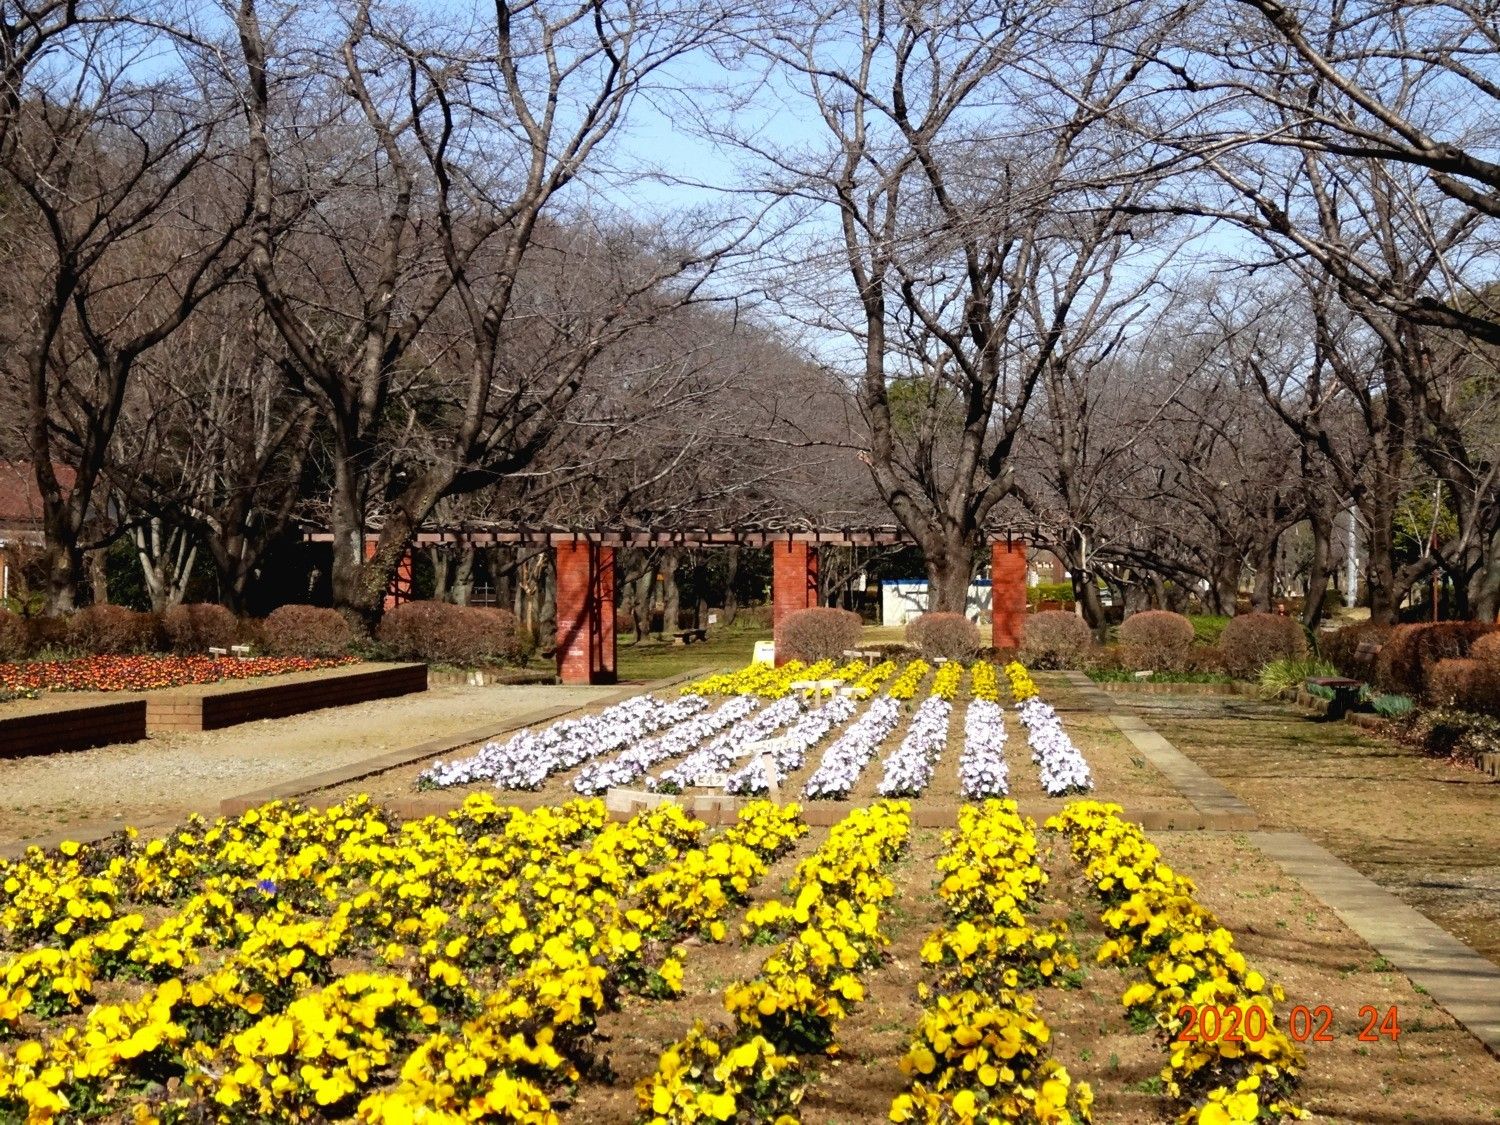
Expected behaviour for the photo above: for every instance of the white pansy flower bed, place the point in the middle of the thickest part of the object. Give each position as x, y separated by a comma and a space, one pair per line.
528, 758
982, 771
810, 730
634, 763
846, 759
726, 752
908, 772
1061, 766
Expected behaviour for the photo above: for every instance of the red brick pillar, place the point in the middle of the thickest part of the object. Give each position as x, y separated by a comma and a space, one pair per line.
400, 588
1007, 592
794, 580
604, 603
585, 613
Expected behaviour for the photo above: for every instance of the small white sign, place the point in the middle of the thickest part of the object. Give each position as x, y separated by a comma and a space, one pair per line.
713, 618
713, 780
766, 746
765, 652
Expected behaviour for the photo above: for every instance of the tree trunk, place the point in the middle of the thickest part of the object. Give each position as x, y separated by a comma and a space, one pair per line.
547, 612
1318, 571
502, 574
1086, 594
731, 572
640, 606
670, 560
442, 566
463, 577
1263, 593
950, 568
99, 575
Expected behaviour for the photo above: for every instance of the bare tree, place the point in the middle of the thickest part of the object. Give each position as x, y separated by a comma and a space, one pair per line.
123, 214
967, 162
462, 140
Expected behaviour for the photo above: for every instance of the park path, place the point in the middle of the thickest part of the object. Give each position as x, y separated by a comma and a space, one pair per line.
159, 780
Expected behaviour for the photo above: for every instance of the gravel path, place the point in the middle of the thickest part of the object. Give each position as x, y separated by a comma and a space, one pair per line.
162, 779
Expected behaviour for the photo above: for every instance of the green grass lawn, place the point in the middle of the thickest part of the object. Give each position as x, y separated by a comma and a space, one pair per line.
654, 659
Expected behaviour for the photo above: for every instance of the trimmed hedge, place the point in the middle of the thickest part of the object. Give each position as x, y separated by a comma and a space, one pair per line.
198, 627
443, 633
950, 635
1252, 640
1341, 648
307, 630
818, 633
1157, 639
1412, 651
15, 636
1055, 638
113, 630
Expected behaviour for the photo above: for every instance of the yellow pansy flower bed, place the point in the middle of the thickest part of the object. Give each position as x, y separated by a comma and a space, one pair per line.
1155, 921
984, 681
980, 1051
1022, 686
303, 964
805, 987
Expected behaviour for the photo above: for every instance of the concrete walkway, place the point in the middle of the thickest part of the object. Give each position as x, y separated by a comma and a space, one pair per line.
1460, 980
1464, 983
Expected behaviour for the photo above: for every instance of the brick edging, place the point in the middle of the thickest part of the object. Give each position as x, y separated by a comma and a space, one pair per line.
79, 726
233, 703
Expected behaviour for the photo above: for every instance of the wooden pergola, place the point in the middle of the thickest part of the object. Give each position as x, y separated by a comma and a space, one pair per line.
585, 567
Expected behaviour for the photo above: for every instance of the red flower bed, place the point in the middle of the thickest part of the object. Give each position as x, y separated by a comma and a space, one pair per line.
142, 673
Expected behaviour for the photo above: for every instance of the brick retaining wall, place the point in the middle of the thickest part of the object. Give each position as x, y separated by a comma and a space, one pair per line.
75, 727
224, 705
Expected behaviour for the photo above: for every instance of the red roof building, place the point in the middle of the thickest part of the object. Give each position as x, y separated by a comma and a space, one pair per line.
21, 514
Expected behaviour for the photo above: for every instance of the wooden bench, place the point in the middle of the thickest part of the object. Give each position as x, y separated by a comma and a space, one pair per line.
1345, 693
688, 636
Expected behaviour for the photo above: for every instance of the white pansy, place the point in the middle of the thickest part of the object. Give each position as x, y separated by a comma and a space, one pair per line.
810, 730
632, 764
1061, 767
982, 771
528, 758
908, 772
847, 757
725, 752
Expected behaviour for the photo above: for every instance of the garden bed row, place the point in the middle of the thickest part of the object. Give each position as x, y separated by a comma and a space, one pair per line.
80, 725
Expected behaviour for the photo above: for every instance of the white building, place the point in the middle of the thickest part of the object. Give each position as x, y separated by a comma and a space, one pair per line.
902, 599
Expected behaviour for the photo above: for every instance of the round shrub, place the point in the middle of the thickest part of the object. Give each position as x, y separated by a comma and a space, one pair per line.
1158, 640
1252, 640
15, 636
306, 630
199, 627
113, 630
950, 635
819, 633
443, 633
1486, 648
1409, 655
1462, 683
1055, 638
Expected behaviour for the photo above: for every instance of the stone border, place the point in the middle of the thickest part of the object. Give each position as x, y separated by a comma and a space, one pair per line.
77, 726
1465, 984
228, 704
368, 767
1152, 687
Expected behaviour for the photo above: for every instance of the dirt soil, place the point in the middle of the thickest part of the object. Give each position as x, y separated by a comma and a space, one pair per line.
1434, 1073
1426, 829
158, 781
